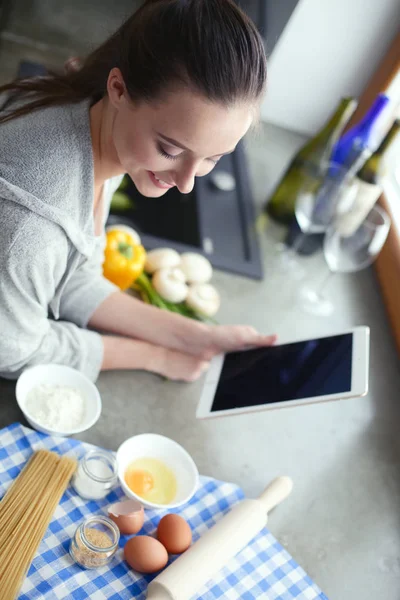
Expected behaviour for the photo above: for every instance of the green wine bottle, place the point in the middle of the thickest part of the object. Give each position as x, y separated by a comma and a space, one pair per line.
315, 152
371, 170
367, 187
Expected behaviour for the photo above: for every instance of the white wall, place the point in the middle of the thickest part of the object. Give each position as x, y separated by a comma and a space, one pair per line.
329, 49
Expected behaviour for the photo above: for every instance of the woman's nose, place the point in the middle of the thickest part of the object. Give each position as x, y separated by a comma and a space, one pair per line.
185, 178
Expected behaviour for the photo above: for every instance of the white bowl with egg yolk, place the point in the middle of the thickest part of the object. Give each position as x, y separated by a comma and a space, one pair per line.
174, 456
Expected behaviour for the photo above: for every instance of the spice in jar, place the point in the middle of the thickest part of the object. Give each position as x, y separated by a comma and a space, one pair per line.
95, 542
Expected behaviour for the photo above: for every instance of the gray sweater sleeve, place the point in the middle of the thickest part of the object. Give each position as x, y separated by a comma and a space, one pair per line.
28, 336
86, 289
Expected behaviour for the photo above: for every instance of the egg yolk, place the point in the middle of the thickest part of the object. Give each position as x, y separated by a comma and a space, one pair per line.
140, 482
151, 479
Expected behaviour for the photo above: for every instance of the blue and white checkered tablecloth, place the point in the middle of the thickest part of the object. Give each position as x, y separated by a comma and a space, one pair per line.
263, 570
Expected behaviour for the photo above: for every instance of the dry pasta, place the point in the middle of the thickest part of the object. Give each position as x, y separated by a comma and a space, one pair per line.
25, 513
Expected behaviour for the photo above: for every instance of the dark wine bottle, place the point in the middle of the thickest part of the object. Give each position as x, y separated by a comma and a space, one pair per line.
348, 155
368, 192
358, 139
372, 169
369, 189
314, 153
308, 244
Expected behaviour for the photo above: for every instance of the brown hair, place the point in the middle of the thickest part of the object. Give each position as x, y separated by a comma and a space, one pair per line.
210, 45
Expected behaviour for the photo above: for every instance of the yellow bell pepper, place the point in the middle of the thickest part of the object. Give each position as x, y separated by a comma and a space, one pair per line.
123, 259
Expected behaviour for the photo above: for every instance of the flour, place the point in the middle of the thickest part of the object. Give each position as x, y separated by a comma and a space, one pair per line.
59, 408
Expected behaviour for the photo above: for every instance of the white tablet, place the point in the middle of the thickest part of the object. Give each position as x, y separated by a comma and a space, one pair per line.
300, 372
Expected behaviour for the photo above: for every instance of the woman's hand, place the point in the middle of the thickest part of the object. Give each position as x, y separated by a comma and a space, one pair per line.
186, 346
125, 353
219, 339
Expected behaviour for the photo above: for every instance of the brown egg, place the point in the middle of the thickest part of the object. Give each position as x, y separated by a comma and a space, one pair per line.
127, 515
174, 533
145, 554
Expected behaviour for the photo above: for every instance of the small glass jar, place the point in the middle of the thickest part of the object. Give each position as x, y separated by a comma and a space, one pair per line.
96, 475
95, 542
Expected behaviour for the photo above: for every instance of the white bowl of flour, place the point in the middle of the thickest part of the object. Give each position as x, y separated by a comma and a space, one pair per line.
58, 400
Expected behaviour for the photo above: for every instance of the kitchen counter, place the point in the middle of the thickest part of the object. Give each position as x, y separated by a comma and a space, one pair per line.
342, 521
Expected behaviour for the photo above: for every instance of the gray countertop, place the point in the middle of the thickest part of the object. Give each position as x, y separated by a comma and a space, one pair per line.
342, 521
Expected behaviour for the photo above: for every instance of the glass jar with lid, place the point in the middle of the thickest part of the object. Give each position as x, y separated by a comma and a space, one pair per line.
96, 475
95, 542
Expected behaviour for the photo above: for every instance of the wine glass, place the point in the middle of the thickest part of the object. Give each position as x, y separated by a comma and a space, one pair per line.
326, 189
347, 253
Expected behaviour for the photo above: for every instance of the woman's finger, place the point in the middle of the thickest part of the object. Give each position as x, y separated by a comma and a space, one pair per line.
265, 340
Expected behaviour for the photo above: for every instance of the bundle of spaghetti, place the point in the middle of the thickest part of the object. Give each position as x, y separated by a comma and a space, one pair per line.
25, 513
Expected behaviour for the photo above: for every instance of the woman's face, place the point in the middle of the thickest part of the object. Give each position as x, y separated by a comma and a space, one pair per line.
169, 143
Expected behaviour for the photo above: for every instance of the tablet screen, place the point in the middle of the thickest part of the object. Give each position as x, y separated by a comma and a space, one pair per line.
289, 372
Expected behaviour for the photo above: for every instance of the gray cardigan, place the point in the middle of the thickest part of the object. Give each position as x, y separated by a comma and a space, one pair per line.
50, 259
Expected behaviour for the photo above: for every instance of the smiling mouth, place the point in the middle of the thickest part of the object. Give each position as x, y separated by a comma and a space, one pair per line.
160, 182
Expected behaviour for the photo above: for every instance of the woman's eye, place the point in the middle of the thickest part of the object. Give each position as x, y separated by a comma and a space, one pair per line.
165, 154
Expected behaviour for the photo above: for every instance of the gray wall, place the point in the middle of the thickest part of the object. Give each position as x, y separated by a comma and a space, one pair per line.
73, 24
78, 25
49, 31
278, 13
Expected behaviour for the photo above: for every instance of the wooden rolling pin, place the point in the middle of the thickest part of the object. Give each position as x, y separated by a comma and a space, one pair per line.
183, 578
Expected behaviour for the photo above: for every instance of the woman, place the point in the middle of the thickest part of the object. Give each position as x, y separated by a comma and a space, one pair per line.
173, 90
